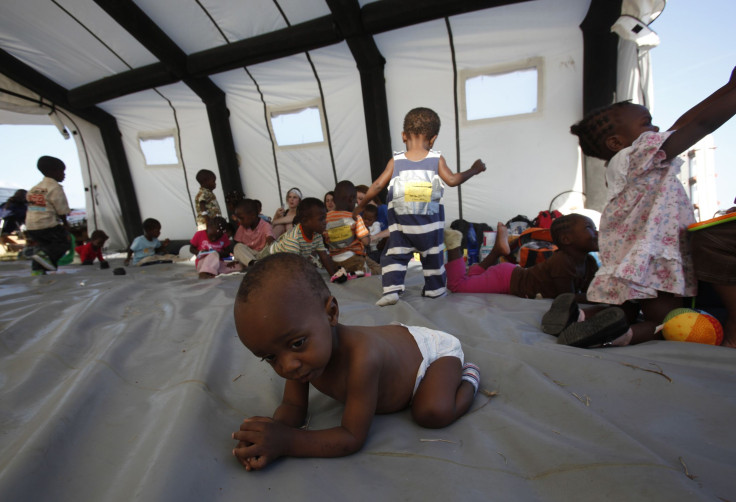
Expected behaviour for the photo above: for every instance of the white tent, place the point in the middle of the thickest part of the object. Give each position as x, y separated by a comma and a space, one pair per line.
209, 75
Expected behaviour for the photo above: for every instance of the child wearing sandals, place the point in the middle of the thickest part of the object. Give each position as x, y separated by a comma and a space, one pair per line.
644, 249
379, 369
569, 270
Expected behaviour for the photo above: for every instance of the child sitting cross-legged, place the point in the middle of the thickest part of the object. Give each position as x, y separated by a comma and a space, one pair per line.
569, 270
211, 246
146, 249
378, 369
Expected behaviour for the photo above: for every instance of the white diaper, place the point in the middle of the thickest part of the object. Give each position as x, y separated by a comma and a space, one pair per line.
433, 344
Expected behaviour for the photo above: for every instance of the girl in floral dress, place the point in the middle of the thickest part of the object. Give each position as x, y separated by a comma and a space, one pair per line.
644, 251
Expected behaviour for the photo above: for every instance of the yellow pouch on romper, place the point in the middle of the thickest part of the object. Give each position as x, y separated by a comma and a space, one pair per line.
340, 233
418, 191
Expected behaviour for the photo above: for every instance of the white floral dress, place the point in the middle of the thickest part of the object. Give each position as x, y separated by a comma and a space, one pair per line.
643, 238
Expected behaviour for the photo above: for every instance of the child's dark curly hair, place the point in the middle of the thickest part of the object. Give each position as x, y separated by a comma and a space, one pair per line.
306, 206
47, 164
203, 175
593, 130
150, 224
299, 270
422, 121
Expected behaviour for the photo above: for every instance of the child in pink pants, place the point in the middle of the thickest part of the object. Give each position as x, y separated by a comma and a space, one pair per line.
570, 269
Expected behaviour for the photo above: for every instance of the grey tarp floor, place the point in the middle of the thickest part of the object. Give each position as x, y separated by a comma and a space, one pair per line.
128, 388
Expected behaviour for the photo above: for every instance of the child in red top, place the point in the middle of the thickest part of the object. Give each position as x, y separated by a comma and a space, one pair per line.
93, 249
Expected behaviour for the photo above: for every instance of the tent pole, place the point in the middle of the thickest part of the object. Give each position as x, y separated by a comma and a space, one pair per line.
370, 63
600, 54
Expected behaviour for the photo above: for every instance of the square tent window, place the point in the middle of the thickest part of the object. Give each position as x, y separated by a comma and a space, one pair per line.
502, 94
296, 127
159, 151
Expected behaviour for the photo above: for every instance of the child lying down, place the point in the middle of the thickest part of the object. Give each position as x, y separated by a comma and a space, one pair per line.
376, 369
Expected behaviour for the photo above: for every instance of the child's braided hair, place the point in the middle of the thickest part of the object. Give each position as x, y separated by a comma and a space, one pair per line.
595, 127
562, 225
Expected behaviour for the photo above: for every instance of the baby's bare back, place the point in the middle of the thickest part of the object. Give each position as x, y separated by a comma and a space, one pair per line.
386, 355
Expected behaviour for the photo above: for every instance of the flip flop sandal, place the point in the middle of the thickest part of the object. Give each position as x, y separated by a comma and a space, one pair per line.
561, 314
600, 329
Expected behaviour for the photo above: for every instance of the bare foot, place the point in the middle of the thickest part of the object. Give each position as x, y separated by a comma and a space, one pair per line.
501, 247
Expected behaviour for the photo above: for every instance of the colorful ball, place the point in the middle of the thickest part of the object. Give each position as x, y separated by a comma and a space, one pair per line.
688, 325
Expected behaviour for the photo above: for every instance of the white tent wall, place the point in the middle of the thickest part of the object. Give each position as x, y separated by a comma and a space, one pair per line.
344, 108
285, 83
101, 198
291, 82
530, 159
162, 191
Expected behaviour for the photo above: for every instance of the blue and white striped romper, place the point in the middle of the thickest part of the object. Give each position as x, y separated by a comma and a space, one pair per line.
416, 222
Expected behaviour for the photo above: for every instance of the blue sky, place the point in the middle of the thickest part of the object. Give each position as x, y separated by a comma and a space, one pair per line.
695, 57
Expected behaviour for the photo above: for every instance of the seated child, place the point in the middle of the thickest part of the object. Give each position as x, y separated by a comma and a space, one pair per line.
146, 249
205, 201
376, 369
211, 246
93, 249
569, 270
253, 233
305, 237
370, 219
348, 237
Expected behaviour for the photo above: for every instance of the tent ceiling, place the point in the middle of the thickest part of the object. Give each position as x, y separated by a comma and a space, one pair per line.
144, 46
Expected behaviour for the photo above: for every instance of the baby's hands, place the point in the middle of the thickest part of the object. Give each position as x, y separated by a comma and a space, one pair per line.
260, 441
165, 243
478, 167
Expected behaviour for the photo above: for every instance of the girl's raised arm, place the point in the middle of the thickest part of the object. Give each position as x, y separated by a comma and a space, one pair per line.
702, 119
